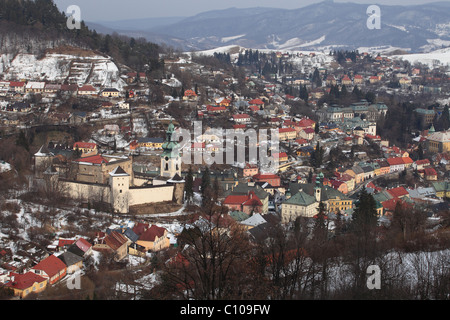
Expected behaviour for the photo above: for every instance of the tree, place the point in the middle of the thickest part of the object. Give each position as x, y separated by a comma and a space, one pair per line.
317, 156
189, 187
205, 187
364, 218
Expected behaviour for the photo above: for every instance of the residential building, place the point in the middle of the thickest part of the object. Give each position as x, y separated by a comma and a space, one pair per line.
51, 268
24, 284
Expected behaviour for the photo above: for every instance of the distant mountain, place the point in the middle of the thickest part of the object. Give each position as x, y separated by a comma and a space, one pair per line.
324, 25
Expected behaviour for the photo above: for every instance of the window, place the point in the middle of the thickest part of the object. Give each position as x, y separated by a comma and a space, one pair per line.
120, 191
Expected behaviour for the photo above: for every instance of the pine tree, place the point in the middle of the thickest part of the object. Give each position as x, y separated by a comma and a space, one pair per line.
205, 187
364, 218
189, 187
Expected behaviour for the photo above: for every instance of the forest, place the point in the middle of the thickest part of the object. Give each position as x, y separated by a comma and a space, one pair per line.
40, 20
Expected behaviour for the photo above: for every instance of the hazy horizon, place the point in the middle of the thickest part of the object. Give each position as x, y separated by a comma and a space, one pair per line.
113, 10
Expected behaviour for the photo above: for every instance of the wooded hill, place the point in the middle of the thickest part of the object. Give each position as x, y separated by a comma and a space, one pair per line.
37, 25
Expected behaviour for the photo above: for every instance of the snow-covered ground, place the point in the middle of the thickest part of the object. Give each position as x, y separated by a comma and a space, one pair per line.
59, 67
432, 59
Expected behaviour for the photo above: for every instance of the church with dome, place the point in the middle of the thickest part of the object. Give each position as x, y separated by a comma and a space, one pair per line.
111, 180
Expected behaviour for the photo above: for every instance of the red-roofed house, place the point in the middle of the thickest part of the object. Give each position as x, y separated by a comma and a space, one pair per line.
257, 102
399, 192
190, 95
280, 156
389, 205
17, 86
358, 79
51, 268
86, 148
430, 174
97, 159
396, 164
250, 170
306, 123
118, 243
154, 238
249, 203
87, 89
272, 179
241, 118
420, 164
215, 109
286, 134
339, 185
407, 161
307, 133
24, 284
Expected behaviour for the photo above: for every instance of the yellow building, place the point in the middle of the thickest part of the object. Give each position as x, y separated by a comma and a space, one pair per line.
86, 148
154, 239
24, 284
150, 143
110, 93
439, 142
287, 134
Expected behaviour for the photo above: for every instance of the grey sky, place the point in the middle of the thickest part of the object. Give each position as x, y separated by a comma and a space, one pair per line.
108, 10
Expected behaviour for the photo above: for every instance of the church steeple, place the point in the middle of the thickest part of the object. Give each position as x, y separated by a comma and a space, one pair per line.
170, 157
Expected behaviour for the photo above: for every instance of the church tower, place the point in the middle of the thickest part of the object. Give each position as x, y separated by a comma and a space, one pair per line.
318, 187
170, 157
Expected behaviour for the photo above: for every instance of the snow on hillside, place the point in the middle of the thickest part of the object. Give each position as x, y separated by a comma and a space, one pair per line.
434, 58
55, 67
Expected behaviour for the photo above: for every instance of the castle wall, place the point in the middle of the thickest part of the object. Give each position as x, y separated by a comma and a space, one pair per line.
87, 191
152, 194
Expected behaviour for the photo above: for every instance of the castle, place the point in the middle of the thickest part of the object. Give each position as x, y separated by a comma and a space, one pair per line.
111, 180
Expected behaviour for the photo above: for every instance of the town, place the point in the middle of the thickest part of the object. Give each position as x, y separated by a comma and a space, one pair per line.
93, 182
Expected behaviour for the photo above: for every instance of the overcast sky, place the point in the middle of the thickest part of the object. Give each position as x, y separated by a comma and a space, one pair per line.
109, 10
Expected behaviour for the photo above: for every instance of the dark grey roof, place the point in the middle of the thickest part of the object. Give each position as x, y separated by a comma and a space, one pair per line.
75, 250
130, 234
70, 258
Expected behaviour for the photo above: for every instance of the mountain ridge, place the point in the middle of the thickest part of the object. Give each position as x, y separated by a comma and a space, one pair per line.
410, 27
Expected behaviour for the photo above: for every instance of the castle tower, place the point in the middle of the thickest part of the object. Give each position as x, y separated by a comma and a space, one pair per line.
119, 183
170, 157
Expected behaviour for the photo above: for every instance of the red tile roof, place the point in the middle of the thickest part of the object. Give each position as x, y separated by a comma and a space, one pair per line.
115, 240
151, 233
280, 130
424, 161
83, 244
97, 159
51, 265
81, 144
256, 101
398, 192
24, 281
395, 161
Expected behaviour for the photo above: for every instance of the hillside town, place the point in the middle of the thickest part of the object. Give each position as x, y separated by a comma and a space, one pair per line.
92, 175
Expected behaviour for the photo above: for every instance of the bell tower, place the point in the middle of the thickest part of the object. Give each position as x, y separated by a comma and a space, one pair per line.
170, 157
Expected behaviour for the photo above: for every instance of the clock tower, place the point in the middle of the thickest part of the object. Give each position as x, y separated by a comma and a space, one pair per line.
170, 157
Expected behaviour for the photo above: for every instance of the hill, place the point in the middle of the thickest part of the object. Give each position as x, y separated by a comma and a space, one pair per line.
34, 26
320, 26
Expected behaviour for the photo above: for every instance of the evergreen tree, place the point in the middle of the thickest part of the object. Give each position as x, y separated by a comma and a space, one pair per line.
364, 218
189, 186
205, 187
320, 229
